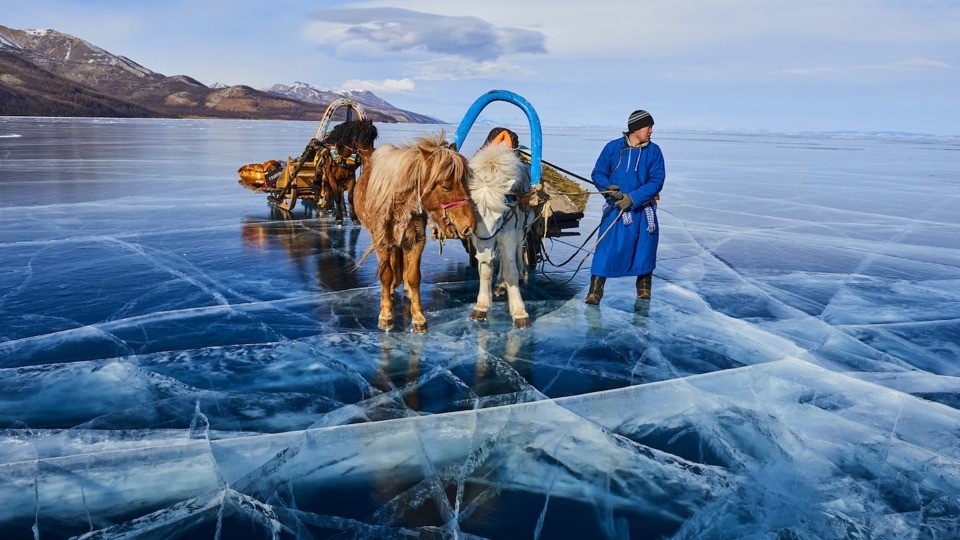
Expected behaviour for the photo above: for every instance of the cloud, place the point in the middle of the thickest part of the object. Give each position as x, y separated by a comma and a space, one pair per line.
404, 30
455, 69
902, 65
909, 63
807, 71
388, 86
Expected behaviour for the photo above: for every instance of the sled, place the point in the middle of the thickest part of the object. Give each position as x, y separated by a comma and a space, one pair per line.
297, 178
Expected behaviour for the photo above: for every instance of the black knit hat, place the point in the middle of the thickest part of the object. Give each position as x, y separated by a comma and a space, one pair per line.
638, 119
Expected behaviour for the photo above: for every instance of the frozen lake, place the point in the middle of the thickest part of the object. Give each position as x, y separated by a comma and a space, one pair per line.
177, 361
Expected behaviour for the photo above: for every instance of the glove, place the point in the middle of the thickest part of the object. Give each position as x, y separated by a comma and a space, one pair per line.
624, 202
613, 191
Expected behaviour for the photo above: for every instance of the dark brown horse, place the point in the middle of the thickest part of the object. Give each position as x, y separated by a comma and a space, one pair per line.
399, 187
341, 157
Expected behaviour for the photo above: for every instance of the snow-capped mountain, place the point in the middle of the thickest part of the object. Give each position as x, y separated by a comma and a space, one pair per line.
305, 92
363, 96
64, 47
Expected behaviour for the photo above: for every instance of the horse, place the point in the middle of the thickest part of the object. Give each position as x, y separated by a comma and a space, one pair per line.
398, 189
498, 182
340, 158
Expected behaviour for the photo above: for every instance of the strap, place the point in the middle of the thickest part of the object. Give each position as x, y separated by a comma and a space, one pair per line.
454, 203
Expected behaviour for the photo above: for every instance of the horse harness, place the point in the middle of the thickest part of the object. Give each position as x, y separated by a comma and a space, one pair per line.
351, 161
517, 204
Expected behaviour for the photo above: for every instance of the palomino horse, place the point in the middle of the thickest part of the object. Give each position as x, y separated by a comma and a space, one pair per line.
498, 182
341, 157
398, 188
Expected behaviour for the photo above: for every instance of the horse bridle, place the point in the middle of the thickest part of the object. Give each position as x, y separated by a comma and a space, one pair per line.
461, 202
444, 206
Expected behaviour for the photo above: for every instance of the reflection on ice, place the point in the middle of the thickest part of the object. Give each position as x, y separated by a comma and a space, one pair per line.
176, 361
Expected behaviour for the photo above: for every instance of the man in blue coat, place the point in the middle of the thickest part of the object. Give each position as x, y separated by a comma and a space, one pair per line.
631, 169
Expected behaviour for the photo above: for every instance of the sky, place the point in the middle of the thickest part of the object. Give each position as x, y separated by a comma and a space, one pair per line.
755, 65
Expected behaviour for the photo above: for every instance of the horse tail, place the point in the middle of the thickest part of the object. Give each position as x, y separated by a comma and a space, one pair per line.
366, 254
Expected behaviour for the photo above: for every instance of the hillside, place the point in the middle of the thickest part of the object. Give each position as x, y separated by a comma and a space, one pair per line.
72, 77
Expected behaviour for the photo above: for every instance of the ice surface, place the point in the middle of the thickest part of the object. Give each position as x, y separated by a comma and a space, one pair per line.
178, 361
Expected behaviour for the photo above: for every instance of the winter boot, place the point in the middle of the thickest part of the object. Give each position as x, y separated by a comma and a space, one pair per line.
643, 286
596, 290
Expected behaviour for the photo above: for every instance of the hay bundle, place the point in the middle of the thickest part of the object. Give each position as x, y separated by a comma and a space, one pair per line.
566, 195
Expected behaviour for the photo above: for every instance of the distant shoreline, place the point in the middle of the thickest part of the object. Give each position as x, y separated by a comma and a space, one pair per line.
523, 127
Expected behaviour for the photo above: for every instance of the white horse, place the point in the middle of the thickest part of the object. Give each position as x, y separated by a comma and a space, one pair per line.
498, 180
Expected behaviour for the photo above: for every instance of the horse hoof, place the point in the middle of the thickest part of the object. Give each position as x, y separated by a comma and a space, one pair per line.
522, 322
478, 315
339, 223
499, 291
385, 324
356, 222
420, 328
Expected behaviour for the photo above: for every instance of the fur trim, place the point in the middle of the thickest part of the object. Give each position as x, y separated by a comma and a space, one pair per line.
496, 172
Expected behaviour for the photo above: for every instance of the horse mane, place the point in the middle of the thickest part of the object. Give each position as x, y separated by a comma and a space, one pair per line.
496, 172
398, 174
355, 133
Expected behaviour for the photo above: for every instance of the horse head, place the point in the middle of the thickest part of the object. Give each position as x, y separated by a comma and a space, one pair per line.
353, 136
445, 196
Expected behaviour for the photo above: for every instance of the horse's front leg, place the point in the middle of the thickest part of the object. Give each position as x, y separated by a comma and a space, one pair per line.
323, 198
338, 204
500, 288
387, 285
521, 265
511, 278
485, 267
411, 282
353, 209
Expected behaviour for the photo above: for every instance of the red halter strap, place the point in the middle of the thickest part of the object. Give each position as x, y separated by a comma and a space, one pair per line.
454, 203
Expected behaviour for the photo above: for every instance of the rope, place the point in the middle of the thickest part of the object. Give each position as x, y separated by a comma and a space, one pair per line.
561, 169
584, 259
581, 248
495, 233
514, 212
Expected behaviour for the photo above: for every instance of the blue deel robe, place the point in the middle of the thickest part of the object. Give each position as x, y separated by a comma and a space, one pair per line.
628, 250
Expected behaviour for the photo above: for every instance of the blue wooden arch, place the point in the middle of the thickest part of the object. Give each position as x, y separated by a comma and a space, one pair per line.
536, 134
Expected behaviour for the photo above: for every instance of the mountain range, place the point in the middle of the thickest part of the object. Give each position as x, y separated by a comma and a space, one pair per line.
49, 73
